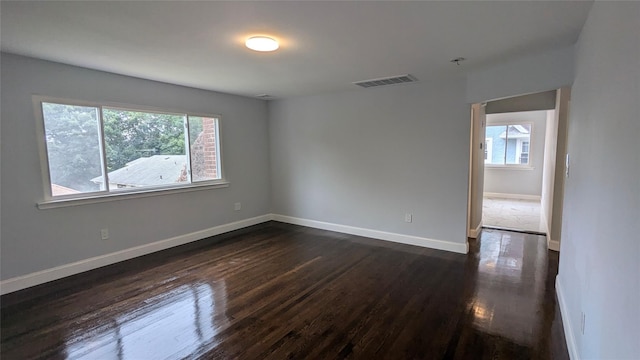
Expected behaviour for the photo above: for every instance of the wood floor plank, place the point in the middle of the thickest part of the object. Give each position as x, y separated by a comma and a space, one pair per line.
278, 291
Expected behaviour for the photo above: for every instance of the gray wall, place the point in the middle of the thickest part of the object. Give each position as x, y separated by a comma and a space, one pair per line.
600, 249
363, 158
531, 102
415, 123
517, 181
35, 239
543, 71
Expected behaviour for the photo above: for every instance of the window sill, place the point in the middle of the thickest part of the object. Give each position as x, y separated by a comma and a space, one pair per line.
508, 167
94, 199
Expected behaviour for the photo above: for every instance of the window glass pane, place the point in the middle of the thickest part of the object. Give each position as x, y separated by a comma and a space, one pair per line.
141, 149
496, 141
203, 134
518, 136
144, 149
508, 144
73, 148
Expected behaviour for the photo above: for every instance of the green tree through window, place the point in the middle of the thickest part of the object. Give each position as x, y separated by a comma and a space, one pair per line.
130, 135
140, 148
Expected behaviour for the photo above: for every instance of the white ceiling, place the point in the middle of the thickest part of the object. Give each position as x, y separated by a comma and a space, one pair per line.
325, 45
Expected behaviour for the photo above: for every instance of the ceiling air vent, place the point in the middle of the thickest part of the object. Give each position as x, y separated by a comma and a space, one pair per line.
394, 80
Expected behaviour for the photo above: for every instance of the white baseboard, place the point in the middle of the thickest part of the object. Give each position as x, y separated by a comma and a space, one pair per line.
474, 233
461, 248
59, 272
566, 324
553, 244
546, 222
62, 271
511, 196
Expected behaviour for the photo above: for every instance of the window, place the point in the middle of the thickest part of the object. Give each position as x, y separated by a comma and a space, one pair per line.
524, 152
508, 144
488, 150
98, 150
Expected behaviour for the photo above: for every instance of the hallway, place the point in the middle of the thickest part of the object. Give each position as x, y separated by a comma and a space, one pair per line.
513, 214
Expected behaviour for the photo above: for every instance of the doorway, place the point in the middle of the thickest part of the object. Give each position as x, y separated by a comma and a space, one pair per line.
514, 163
513, 154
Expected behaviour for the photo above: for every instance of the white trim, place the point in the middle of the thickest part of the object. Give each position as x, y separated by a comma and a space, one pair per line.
474, 233
511, 196
551, 244
488, 147
108, 194
519, 143
509, 167
62, 271
59, 272
519, 150
120, 106
113, 196
461, 248
566, 324
547, 228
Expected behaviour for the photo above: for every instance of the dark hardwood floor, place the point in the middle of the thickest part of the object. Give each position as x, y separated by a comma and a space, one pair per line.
281, 291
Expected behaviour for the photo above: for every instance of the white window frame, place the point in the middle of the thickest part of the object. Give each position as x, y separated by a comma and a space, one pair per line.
49, 201
488, 148
519, 144
528, 166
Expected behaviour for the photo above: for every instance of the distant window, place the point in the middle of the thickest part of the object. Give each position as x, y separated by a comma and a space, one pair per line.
488, 150
100, 149
508, 144
524, 152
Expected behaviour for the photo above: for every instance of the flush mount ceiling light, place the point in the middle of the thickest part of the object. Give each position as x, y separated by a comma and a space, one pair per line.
262, 43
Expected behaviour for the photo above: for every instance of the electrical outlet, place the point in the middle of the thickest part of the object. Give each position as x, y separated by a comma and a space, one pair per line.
104, 234
237, 206
408, 217
582, 322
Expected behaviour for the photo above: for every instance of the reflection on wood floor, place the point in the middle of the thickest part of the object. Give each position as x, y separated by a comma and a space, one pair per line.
281, 291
